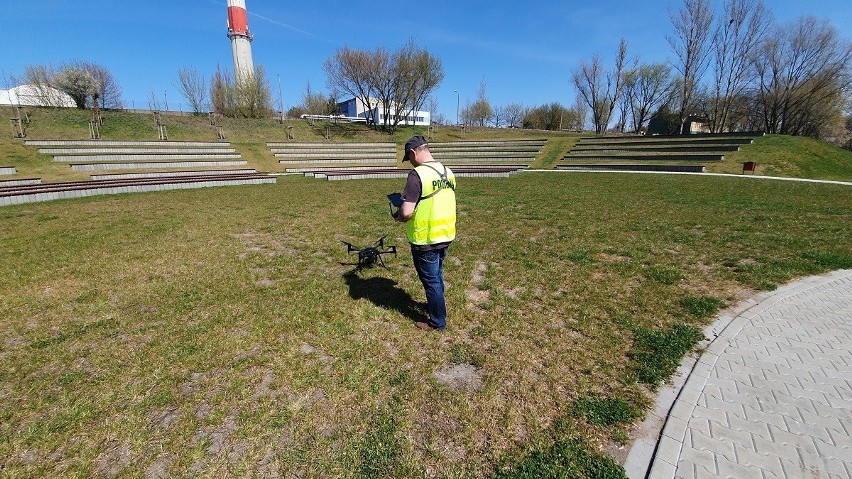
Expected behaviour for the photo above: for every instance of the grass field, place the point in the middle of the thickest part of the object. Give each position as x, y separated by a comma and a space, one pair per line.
214, 333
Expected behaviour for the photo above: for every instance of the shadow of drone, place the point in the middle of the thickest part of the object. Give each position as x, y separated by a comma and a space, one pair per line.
384, 293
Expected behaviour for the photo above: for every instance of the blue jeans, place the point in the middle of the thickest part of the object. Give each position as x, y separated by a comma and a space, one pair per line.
430, 270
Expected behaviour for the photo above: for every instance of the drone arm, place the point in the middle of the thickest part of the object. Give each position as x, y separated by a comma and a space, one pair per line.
350, 247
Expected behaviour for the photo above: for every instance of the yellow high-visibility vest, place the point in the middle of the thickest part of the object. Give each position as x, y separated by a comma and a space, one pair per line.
434, 219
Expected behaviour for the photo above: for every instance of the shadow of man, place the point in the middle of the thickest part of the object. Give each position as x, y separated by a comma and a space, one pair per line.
384, 293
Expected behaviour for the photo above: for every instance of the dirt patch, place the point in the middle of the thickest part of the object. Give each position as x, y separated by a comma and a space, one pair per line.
113, 462
165, 418
460, 377
264, 389
220, 442
477, 296
264, 244
611, 258
159, 469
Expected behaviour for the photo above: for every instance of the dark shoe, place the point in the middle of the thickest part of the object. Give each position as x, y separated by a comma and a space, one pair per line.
426, 326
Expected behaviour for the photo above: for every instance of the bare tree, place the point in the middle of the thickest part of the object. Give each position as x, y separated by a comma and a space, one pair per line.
222, 94
40, 80
352, 72
251, 97
736, 41
480, 112
254, 96
436, 117
499, 116
804, 77
418, 73
398, 83
582, 111
600, 90
552, 116
514, 114
646, 88
193, 86
315, 103
690, 43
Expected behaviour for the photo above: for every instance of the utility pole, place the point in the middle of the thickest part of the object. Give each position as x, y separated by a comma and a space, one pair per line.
457, 106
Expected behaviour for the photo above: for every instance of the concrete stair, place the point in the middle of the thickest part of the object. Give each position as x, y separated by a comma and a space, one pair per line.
339, 153
32, 193
358, 173
487, 151
84, 155
653, 153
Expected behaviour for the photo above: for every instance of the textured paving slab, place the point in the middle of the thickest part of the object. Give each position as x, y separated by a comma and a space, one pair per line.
771, 396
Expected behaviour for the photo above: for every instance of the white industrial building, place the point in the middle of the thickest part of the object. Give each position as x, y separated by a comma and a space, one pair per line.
32, 95
355, 107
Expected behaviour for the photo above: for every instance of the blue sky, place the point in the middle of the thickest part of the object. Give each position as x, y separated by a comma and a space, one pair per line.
524, 51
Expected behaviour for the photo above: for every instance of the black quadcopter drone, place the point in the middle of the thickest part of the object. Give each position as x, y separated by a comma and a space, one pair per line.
371, 255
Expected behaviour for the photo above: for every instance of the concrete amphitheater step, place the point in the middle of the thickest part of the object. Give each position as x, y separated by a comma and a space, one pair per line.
136, 151
121, 143
645, 157
622, 167
733, 134
8, 170
686, 148
330, 155
337, 161
487, 151
333, 145
19, 182
171, 174
373, 173
56, 191
143, 157
444, 144
141, 165
481, 153
363, 168
653, 140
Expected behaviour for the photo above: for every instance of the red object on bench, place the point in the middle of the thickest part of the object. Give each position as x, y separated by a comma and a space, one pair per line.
749, 166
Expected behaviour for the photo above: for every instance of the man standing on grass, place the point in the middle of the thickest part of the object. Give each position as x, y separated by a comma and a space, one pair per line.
429, 209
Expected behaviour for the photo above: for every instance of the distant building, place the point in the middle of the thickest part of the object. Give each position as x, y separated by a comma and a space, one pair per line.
695, 124
354, 107
32, 95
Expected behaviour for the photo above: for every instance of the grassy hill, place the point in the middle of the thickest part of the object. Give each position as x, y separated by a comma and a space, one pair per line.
775, 155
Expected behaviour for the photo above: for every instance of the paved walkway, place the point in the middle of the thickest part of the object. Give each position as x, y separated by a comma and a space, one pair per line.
771, 396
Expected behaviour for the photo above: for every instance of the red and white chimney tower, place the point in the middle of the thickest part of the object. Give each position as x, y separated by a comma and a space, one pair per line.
241, 38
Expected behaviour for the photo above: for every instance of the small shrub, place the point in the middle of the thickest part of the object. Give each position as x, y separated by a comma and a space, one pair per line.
663, 275
605, 411
701, 307
580, 256
657, 354
565, 458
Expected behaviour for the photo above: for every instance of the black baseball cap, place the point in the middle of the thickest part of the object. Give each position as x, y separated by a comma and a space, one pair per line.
412, 143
